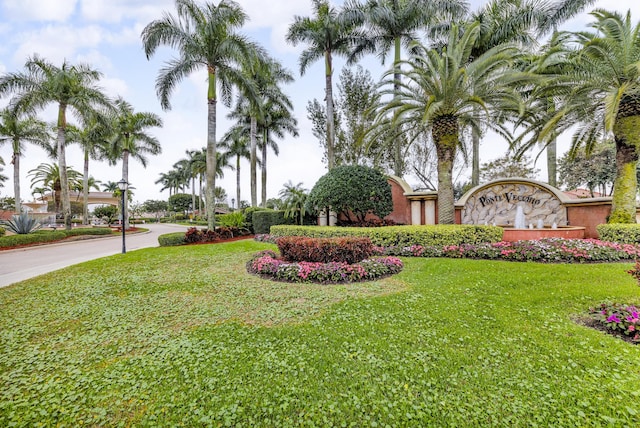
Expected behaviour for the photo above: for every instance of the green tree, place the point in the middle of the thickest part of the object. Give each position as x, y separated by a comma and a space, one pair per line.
236, 144
600, 91
507, 166
329, 32
70, 87
596, 171
180, 202
391, 25
205, 37
446, 90
92, 138
352, 190
522, 22
3, 177
16, 130
294, 198
157, 207
48, 176
131, 139
107, 213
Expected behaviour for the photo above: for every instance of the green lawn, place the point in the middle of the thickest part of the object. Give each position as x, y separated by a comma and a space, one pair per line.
184, 336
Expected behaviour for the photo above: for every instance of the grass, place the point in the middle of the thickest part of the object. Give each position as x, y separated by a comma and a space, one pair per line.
184, 336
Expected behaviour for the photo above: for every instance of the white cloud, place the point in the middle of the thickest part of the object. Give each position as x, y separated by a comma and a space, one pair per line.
57, 42
39, 10
120, 10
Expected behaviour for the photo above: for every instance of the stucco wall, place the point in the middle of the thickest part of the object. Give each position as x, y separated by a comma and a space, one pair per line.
589, 216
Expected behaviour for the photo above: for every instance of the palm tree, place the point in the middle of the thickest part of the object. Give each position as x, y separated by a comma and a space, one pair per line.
71, 87
392, 25
109, 186
93, 138
205, 37
3, 177
599, 92
48, 176
442, 93
329, 32
236, 143
508, 21
173, 180
294, 198
131, 138
277, 121
17, 131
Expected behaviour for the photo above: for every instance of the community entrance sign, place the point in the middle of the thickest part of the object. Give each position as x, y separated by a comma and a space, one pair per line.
497, 203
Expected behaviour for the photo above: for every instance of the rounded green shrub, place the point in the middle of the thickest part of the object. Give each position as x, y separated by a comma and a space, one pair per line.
171, 239
352, 190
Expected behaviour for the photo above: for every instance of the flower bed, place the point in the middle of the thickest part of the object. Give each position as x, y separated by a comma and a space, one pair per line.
267, 264
618, 319
553, 250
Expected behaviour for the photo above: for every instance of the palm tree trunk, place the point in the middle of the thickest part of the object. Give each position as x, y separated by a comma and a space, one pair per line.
254, 156
264, 171
238, 179
627, 135
552, 163
85, 190
331, 131
193, 194
62, 165
16, 180
397, 146
211, 151
475, 158
125, 177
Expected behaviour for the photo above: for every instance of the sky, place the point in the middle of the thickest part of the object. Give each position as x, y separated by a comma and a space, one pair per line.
106, 35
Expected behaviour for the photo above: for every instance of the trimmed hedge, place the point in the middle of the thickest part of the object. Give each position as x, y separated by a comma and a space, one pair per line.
31, 238
324, 250
263, 220
2, 231
171, 239
619, 232
401, 235
49, 236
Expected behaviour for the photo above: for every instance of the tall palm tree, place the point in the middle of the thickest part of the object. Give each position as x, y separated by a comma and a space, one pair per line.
48, 176
236, 144
16, 131
93, 139
3, 177
72, 87
131, 139
440, 94
205, 37
173, 180
522, 22
278, 121
600, 92
393, 24
329, 32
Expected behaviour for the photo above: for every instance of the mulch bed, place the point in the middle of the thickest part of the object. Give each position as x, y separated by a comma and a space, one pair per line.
591, 323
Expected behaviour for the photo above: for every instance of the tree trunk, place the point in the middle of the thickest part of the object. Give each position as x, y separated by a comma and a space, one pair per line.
398, 162
238, 180
264, 170
193, 195
331, 130
16, 177
446, 140
211, 151
62, 165
475, 158
125, 177
627, 135
253, 159
552, 163
85, 189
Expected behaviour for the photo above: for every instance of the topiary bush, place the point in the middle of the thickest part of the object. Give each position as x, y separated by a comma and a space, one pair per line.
88, 231
353, 191
248, 216
324, 250
390, 236
618, 232
31, 238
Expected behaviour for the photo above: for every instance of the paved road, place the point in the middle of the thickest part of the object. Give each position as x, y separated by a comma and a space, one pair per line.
18, 265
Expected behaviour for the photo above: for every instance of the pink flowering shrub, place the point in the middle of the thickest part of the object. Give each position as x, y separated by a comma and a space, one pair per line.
266, 263
618, 318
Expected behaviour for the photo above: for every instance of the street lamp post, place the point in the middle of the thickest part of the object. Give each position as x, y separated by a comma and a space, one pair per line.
123, 185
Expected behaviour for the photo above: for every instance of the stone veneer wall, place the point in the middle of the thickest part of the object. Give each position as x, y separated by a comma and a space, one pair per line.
497, 203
